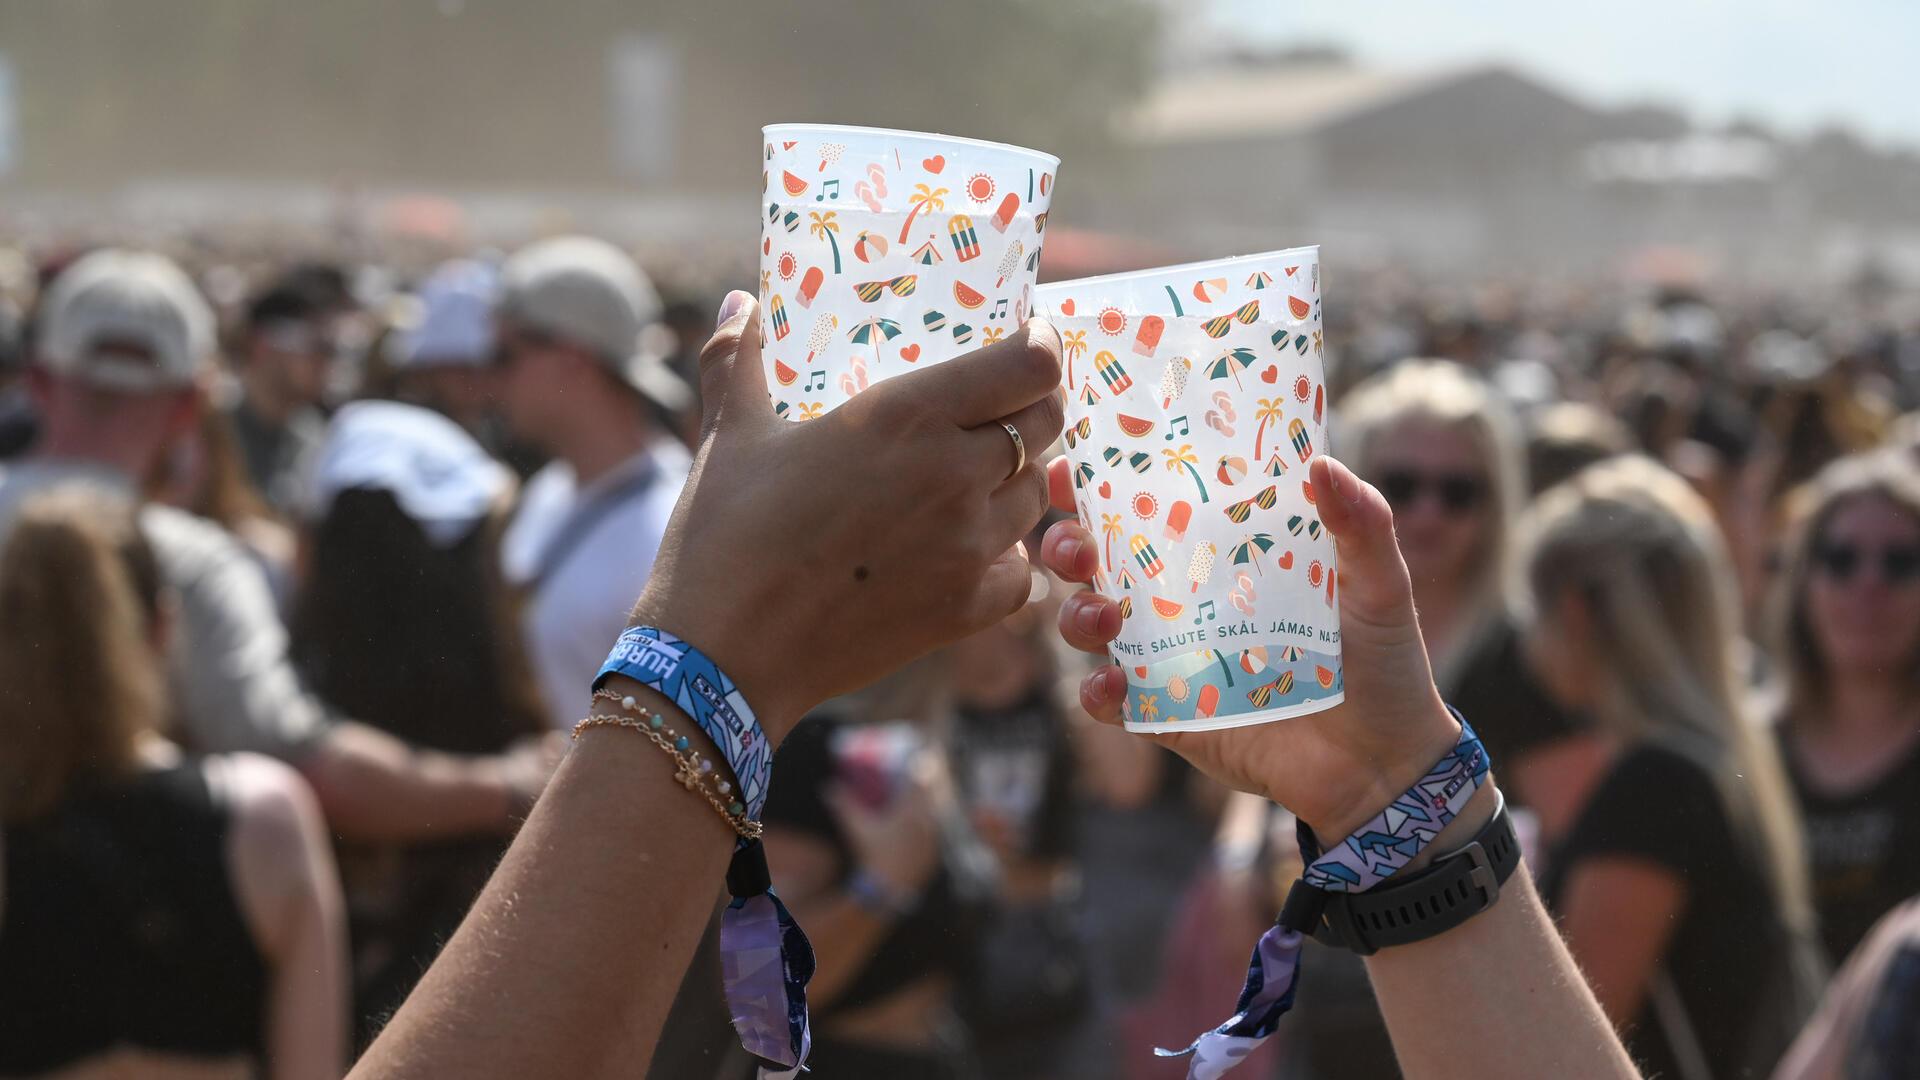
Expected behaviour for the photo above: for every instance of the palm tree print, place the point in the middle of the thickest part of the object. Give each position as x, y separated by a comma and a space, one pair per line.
1269, 411
923, 198
1187, 459
824, 226
1110, 531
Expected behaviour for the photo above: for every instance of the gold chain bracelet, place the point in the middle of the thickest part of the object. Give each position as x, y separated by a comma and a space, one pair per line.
692, 771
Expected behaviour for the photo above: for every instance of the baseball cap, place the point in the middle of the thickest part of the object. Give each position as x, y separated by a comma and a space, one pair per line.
125, 320
588, 292
455, 327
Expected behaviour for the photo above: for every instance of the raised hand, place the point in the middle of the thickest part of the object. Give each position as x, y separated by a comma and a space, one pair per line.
1334, 768
809, 559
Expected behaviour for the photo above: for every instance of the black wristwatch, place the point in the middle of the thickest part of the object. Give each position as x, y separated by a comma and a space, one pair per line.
1454, 888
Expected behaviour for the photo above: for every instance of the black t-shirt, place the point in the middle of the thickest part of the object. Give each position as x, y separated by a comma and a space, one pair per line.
1497, 693
1016, 765
1662, 806
1864, 848
122, 929
938, 935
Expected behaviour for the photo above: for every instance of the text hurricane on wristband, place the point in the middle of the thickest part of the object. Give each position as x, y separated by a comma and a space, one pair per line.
691, 680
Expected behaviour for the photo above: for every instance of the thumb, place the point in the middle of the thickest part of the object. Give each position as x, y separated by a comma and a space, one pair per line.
1373, 575
733, 384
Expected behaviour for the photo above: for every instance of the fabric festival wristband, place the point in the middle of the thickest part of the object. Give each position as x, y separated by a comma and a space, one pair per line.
765, 958
691, 680
1372, 854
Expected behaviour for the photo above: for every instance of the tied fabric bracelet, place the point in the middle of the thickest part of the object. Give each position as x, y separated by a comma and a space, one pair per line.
1365, 859
765, 958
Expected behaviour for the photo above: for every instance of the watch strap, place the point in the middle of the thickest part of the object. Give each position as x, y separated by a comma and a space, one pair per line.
1452, 889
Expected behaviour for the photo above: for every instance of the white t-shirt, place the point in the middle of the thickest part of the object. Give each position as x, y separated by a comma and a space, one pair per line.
585, 553
233, 684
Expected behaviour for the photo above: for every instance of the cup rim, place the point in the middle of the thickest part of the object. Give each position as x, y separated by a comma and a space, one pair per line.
930, 136
1177, 269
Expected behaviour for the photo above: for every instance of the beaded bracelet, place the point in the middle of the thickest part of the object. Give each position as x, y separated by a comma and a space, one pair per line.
694, 772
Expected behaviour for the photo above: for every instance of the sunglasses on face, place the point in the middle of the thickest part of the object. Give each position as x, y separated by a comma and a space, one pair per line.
1842, 561
1458, 492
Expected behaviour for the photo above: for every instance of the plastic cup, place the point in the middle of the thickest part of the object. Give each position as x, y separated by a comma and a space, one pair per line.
1195, 401
885, 251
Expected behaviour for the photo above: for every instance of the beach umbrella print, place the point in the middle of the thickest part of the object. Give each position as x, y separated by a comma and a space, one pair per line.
1249, 550
874, 332
1232, 362
1082, 475
1260, 280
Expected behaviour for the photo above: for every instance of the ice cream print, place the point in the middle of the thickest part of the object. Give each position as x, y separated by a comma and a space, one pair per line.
882, 251
1195, 401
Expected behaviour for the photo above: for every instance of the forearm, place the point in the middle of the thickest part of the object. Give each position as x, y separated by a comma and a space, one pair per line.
570, 959
374, 787
1498, 996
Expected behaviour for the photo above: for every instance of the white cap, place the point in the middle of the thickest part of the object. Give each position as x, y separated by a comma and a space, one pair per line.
125, 320
456, 317
588, 292
437, 474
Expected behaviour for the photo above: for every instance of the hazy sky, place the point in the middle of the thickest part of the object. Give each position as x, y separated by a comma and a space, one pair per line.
1793, 63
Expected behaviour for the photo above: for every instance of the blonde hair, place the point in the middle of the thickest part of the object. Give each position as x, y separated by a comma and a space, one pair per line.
1446, 395
79, 682
1640, 547
1886, 474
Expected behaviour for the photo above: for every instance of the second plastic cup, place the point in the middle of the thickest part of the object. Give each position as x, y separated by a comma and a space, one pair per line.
885, 251
1195, 401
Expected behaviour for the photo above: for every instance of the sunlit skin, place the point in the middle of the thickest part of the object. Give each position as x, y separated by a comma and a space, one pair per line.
1866, 626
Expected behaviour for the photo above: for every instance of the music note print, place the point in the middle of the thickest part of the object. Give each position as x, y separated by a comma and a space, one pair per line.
999, 309
1206, 608
833, 185
816, 380
1177, 426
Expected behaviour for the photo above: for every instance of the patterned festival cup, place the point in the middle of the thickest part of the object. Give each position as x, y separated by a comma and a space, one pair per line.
884, 251
1195, 401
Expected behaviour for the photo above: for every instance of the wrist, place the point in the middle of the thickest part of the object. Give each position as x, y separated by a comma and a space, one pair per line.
774, 704
1385, 778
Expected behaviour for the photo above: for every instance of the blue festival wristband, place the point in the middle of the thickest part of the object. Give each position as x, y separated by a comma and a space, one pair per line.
691, 680
1366, 858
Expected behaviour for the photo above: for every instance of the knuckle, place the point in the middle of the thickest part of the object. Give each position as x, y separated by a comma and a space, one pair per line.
1050, 417
721, 347
1040, 358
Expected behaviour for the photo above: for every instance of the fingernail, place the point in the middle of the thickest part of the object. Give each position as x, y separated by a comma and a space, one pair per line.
1088, 617
1070, 551
730, 306
1097, 688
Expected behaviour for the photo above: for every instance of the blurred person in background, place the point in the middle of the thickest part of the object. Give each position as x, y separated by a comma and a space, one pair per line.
1446, 453
1681, 884
285, 353
162, 915
1847, 624
123, 341
207, 478
1567, 436
1012, 760
445, 360
582, 381
1865, 1028
402, 621
870, 847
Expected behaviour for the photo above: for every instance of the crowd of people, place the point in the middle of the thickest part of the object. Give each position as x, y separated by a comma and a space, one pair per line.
290, 641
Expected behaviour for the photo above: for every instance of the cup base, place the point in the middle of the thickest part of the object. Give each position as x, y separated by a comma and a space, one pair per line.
1221, 723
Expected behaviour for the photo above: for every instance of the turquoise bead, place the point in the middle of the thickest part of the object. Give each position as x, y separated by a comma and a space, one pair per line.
681, 743
655, 723
736, 809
